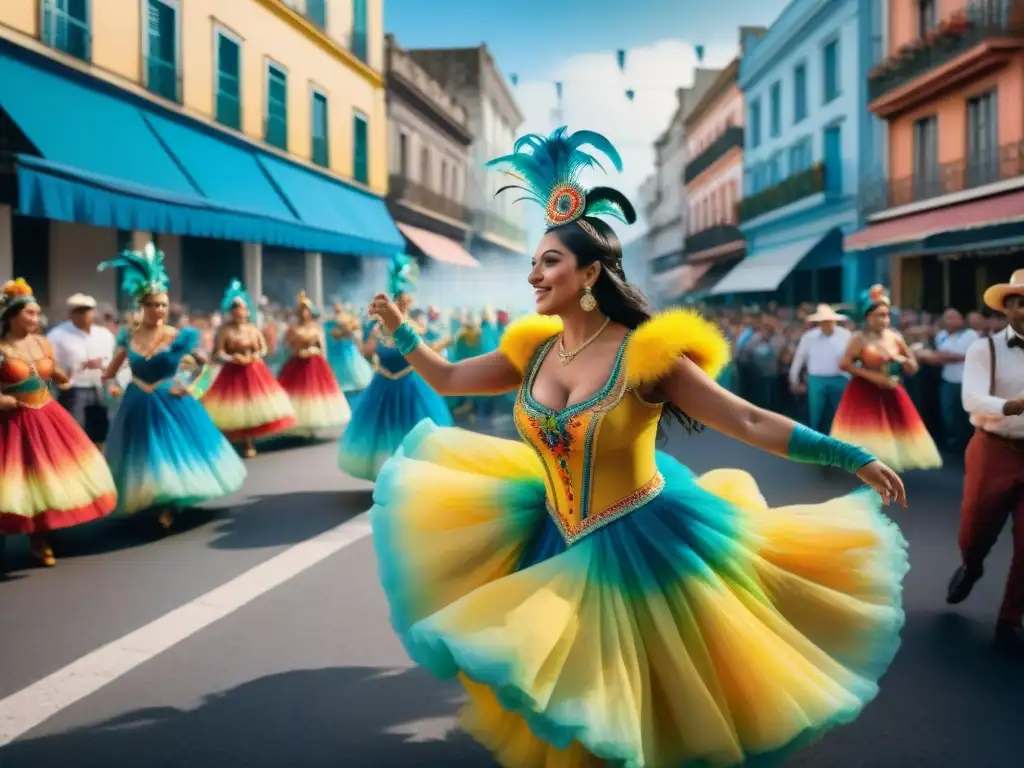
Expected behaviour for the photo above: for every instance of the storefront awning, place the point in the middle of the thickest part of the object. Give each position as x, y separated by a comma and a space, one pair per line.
439, 247
763, 271
918, 227
111, 159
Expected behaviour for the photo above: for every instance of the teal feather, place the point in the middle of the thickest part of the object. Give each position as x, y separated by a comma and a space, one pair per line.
144, 273
236, 292
403, 275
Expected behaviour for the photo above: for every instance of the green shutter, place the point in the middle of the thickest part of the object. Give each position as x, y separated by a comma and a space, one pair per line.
321, 156
277, 108
360, 146
359, 46
162, 60
229, 107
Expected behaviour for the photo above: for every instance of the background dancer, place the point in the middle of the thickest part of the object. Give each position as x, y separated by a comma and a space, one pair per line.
344, 351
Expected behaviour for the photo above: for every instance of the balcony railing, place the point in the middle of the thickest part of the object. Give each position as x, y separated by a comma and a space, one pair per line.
713, 237
945, 179
66, 32
796, 187
485, 221
956, 35
733, 137
405, 190
162, 78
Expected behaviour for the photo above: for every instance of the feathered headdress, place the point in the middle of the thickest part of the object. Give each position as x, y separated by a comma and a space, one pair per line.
403, 275
548, 170
873, 297
144, 273
235, 293
13, 294
302, 300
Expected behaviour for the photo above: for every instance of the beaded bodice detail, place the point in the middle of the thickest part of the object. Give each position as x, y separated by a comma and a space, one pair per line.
26, 381
598, 455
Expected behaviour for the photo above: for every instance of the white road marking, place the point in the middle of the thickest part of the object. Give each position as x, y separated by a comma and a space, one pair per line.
22, 711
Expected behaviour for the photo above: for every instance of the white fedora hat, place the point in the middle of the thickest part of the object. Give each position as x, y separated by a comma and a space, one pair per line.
81, 301
997, 294
824, 313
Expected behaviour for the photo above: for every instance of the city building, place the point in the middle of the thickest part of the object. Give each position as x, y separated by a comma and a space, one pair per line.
428, 142
714, 178
807, 127
946, 217
498, 238
247, 137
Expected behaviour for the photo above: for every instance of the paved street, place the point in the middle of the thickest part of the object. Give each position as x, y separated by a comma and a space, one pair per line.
278, 650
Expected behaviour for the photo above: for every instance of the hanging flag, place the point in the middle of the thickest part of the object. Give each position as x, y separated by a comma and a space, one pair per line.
630, 93
514, 79
622, 60
699, 49
558, 90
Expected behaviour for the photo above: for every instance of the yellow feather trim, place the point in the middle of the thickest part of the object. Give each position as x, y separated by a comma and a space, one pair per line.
661, 341
522, 337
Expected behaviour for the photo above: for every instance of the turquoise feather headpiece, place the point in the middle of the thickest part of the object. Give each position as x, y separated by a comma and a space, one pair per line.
548, 171
144, 273
403, 275
235, 293
873, 297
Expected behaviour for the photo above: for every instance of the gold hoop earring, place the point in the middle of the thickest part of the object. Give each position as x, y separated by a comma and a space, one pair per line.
587, 301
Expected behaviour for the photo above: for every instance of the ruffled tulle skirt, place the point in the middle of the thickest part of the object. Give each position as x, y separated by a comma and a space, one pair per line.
164, 451
51, 475
703, 629
382, 417
885, 423
352, 371
316, 398
246, 401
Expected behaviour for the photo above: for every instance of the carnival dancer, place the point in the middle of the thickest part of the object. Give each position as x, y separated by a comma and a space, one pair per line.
164, 451
245, 401
51, 474
344, 350
397, 398
993, 393
307, 378
599, 602
821, 352
875, 412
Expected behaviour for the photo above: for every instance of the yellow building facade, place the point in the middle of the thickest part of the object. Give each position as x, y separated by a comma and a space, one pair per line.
268, 32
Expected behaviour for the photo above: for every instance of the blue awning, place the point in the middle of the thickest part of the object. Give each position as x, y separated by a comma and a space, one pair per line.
114, 160
764, 271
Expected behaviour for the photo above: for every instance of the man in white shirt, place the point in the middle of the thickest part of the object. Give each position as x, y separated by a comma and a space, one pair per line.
83, 349
993, 393
821, 350
951, 346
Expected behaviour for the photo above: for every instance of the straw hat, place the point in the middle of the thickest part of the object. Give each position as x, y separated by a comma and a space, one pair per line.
997, 294
81, 301
824, 313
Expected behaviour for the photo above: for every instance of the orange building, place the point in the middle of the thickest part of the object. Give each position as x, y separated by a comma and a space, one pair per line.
949, 215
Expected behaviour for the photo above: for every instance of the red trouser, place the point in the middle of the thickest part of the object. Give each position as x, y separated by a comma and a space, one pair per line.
993, 491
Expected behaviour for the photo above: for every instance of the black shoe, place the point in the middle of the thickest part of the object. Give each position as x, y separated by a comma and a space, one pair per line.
962, 583
1010, 638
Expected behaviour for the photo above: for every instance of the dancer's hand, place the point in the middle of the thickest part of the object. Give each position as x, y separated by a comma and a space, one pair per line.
383, 309
8, 403
886, 482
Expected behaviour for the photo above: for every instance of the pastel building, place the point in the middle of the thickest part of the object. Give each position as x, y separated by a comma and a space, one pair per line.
247, 137
807, 128
945, 214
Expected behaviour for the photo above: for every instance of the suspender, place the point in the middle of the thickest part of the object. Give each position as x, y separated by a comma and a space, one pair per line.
992, 368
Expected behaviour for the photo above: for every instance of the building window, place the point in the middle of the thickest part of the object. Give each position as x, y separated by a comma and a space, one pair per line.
316, 12
775, 170
425, 174
927, 16
832, 150
229, 92
320, 153
982, 139
799, 93
358, 45
444, 177
926, 157
66, 26
403, 155
360, 149
830, 56
800, 157
275, 129
161, 53
776, 116
755, 123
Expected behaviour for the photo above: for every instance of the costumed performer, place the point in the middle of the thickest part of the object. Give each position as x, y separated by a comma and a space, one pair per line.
245, 401
598, 601
397, 398
51, 474
307, 377
163, 450
344, 350
875, 411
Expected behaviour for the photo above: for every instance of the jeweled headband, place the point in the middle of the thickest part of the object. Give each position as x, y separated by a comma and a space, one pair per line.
548, 170
13, 294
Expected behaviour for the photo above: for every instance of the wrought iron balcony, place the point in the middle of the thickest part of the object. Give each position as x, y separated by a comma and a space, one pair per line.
405, 190
713, 237
732, 138
796, 187
984, 31
945, 179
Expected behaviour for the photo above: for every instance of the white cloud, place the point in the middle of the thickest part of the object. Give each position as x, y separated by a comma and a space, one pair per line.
594, 98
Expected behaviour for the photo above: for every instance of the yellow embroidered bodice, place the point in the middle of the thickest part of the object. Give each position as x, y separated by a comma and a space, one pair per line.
599, 455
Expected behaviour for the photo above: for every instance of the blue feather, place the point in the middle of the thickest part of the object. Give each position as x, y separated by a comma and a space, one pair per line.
144, 273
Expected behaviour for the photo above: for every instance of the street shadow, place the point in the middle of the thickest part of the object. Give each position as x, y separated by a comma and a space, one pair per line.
272, 521
347, 717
